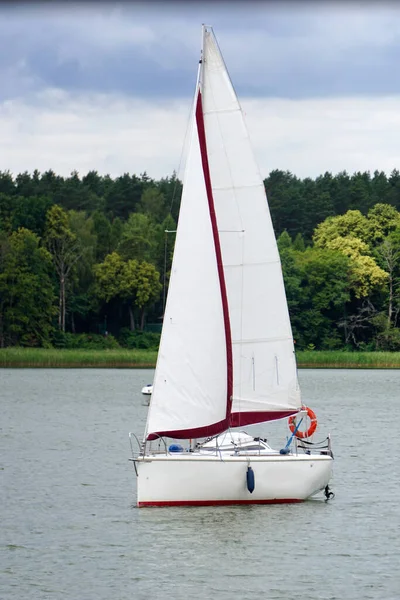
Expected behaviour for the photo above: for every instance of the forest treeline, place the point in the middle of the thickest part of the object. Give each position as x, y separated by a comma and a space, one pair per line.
85, 260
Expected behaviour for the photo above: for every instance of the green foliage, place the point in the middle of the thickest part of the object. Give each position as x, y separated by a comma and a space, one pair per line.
132, 282
152, 204
82, 229
27, 299
112, 278
6, 212
350, 234
143, 340
66, 248
284, 241
138, 238
383, 219
317, 289
84, 341
148, 285
298, 243
351, 224
30, 213
84, 220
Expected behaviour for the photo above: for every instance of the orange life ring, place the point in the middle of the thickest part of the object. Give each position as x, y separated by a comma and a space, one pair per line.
313, 424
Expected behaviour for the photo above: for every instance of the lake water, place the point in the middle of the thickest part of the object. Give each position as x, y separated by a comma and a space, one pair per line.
70, 529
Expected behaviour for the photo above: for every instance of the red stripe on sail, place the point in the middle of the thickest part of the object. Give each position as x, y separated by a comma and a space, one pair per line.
247, 418
185, 434
206, 170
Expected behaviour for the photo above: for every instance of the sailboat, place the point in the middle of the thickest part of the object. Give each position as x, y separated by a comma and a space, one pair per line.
147, 389
226, 358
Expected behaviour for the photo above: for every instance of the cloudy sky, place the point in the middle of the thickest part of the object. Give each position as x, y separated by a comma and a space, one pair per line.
109, 86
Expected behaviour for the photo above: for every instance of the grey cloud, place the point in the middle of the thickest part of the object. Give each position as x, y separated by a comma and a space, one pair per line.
285, 50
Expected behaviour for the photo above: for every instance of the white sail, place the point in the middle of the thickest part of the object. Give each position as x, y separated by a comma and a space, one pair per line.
264, 371
190, 389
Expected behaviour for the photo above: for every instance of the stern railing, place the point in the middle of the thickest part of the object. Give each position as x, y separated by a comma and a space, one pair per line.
324, 446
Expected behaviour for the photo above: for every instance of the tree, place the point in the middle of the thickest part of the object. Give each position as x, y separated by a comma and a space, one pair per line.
298, 243
284, 241
65, 250
30, 213
351, 224
82, 276
6, 212
393, 192
148, 288
26, 291
365, 275
285, 201
316, 206
138, 238
102, 229
152, 204
171, 189
356, 325
382, 219
388, 256
7, 185
317, 290
124, 195
349, 234
359, 193
135, 283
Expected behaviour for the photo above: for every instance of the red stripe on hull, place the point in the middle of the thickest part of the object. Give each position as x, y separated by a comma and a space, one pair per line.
217, 502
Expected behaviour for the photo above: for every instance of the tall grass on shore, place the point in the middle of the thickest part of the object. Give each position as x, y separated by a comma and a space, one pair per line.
123, 358
338, 359
41, 357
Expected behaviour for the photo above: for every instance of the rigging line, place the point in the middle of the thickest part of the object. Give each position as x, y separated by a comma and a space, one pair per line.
185, 140
177, 176
165, 272
166, 231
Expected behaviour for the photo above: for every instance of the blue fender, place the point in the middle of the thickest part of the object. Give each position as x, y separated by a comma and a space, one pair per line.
250, 480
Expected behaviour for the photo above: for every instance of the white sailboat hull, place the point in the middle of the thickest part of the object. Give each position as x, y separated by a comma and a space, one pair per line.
197, 480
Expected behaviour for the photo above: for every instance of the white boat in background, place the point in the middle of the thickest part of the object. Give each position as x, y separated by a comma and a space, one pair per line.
226, 358
147, 390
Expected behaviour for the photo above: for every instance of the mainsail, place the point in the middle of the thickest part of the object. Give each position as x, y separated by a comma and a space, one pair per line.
226, 315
